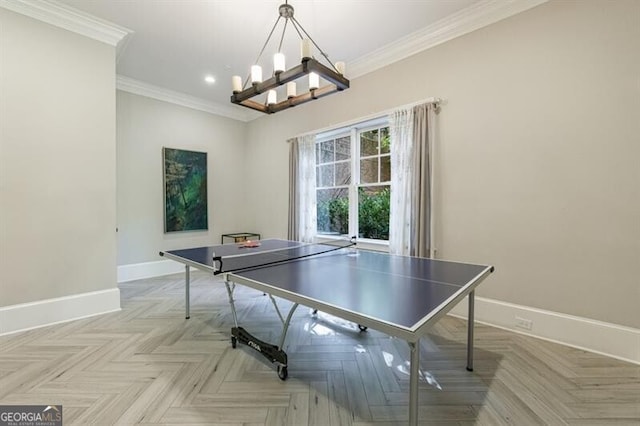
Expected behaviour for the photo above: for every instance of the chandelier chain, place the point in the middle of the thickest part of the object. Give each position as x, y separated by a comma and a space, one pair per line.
284, 29
267, 41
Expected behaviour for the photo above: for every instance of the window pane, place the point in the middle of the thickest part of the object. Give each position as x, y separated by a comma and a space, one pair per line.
369, 170
369, 143
343, 148
385, 140
343, 173
335, 168
385, 168
333, 211
373, 212
325, 174
326, 152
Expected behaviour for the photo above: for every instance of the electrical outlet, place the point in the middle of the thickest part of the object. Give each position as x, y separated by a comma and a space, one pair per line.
524, 323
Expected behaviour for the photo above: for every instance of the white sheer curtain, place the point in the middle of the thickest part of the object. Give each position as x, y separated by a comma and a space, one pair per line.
401, 133
302, 189
412, 132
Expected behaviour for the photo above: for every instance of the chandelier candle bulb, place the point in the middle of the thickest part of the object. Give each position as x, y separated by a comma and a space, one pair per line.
314, 81
341, 67
256, 74
291, 89
236, 83
305, 48
271, 97
278, 63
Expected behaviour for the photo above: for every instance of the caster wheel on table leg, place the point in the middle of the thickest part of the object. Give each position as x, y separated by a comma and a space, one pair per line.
283, 373
362, 327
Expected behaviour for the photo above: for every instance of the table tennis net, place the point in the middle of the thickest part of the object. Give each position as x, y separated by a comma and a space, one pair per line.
236, 263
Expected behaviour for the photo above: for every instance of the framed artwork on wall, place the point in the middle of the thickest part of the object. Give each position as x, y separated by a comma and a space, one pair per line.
185, 190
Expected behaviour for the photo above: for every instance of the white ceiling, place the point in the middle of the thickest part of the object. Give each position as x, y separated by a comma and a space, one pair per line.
173, 44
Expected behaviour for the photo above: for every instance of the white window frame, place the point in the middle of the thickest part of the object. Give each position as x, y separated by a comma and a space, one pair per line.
354, 132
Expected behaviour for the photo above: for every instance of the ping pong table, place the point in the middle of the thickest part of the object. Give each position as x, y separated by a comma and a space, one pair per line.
398, 295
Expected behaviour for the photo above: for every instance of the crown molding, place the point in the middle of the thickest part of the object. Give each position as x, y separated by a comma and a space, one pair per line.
68, 18
145, 89
476, 16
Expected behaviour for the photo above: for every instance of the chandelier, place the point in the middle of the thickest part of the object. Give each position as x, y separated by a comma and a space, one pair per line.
245, 94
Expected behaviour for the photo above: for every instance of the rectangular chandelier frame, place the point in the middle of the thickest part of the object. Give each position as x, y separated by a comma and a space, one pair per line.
308, 65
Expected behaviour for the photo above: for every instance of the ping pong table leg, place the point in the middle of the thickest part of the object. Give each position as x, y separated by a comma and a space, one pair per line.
470, 322
230, 287
186, 291
285, 323
414, 376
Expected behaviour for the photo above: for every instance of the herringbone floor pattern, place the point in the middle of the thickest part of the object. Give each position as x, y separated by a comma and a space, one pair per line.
148, 365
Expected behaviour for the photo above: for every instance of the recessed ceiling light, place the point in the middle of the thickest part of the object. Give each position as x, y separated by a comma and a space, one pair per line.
210, 79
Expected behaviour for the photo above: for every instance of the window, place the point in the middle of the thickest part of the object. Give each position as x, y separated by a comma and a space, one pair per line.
353, 174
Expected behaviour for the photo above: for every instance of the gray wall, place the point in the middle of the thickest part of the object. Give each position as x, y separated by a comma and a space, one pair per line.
537, 159
147, 125
57, 162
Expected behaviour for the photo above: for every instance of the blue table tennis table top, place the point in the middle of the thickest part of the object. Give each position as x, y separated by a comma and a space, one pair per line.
399, 295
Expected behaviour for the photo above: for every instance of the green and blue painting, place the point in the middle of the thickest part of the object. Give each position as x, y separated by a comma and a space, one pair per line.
185, 190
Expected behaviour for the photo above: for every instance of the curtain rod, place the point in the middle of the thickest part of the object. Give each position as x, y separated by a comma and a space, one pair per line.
431, 100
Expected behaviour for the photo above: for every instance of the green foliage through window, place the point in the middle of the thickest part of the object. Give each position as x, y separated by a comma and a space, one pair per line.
333, 216
373, 214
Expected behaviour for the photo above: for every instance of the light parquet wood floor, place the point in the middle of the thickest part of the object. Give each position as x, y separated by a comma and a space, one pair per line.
148, 365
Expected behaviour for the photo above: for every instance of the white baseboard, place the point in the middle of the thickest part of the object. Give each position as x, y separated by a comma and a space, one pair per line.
27, 316
139, 271
612, 340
